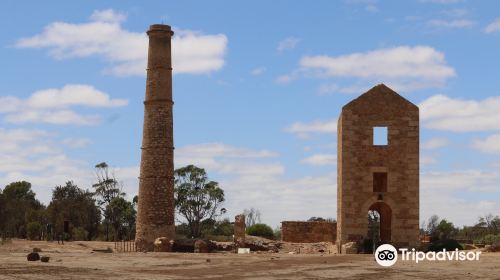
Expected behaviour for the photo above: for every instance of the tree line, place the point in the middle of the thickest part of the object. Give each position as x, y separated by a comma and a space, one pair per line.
485, 231
103, 212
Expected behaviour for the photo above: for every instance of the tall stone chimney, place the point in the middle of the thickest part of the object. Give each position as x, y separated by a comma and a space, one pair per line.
155, 215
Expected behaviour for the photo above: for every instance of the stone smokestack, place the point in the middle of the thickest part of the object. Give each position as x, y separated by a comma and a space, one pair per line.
155, 215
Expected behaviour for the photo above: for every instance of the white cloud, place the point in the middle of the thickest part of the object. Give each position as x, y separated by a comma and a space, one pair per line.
192, 52
252, 178
490, 145
493, 26
455, 23
52, 105
76, 142
326, 89
331, 88
108, 15
222, 150
304, 130
457, 12
32, 155
321, 159
228, 160
62, 117
462, 180
448, 194
445, 113
416, 62
258, 71
128, 178
424, 160
72, 95
37, 156
407, 68
281, 198
9, 104
434, 143
288, 44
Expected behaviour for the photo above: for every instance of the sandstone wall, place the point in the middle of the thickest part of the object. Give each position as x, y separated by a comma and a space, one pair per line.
239, 230
308, 232
359, 161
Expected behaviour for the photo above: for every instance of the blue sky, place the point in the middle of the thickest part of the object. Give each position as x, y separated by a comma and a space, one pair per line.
258, 87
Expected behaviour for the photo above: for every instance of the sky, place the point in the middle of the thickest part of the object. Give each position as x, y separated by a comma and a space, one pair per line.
258, 87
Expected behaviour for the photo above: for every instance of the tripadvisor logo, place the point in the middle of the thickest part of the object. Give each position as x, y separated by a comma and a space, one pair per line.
386, 255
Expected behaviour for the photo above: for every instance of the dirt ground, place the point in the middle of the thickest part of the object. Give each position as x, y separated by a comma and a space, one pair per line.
76, 260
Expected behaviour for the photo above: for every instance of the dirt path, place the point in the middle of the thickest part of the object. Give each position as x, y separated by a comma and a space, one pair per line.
75, 260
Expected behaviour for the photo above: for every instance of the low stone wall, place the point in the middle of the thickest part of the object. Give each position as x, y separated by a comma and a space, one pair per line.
308, 232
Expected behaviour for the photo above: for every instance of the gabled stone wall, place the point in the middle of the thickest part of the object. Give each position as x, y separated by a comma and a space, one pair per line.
360, 161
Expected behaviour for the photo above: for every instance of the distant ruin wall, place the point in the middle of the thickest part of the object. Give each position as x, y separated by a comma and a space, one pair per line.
308, 232
239, 230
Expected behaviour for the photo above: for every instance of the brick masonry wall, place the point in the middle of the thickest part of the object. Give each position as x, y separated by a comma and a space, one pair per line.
358, 159
308, 232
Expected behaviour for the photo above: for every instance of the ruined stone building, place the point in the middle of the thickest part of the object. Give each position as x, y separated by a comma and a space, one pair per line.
155, 215
378, 172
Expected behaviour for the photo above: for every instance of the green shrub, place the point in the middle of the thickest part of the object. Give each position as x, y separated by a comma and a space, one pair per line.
224, 228
182, 230
261, 230
490, 239
34, 230
79, 233
448, 244
277, 233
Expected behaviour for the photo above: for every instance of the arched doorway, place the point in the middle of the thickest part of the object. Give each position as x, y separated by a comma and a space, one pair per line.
385, 218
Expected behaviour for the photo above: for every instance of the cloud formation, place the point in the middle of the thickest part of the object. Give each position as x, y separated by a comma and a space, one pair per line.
469, 194
455, 23
103, 36
458, 115
305, 130
32, 155
321, 159
489, 145
253, 178
434, 143
53, 105
404, 68
493, 26
258, 71
288, 44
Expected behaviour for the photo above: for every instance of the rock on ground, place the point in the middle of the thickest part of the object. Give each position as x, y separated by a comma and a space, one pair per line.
33, 257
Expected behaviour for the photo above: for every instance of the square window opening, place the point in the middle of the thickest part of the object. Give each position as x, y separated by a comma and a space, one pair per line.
380, 136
